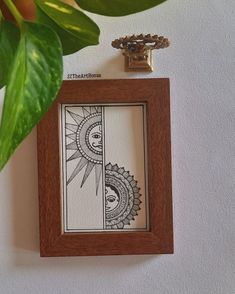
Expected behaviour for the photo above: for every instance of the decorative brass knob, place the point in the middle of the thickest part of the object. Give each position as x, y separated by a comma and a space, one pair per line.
138, 50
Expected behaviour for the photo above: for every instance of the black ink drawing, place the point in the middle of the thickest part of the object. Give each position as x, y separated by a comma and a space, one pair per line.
121, 197
86, 139
121, 193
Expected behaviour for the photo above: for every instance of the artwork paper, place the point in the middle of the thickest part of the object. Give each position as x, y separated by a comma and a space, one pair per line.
104, 168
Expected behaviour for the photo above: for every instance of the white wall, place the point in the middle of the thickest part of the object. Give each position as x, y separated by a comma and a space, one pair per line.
201, 66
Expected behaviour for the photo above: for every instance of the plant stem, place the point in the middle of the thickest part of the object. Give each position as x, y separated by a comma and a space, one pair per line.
14, 11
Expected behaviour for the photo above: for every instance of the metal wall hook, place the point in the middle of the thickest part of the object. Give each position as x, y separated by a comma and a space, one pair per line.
137, 50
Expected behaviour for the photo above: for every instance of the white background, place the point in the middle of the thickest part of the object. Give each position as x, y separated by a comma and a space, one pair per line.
201, 66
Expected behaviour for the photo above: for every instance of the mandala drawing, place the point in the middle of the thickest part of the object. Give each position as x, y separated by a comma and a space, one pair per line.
121, 197
121, 194
86, 136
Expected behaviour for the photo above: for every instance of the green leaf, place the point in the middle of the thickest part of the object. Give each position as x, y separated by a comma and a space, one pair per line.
117, 7
9, 39
33, 83
74, 28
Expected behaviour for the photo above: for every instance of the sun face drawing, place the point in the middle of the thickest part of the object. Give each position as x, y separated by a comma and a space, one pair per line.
121, 197
85, 145
85, 136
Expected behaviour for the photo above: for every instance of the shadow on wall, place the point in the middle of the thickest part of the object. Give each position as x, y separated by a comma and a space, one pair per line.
25, 219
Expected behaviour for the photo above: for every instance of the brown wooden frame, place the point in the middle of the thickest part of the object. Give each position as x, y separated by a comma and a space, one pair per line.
53, 242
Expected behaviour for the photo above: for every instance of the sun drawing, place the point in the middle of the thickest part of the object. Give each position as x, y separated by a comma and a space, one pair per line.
122, 197
85, 139
85, 145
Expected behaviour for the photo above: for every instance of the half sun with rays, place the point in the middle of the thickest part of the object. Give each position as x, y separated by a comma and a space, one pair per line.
84, 137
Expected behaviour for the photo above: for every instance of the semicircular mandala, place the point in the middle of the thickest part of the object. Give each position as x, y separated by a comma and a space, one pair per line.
86, 142
121, 197
121, 192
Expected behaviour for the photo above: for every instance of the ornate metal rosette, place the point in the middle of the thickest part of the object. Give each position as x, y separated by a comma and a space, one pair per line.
122, 189
137, 43
82, 139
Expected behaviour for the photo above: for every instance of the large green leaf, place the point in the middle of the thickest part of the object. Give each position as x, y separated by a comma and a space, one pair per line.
9, 39
33, 83
74, 28
117, 7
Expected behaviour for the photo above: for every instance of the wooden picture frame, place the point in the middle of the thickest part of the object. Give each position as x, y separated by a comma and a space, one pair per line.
54, 241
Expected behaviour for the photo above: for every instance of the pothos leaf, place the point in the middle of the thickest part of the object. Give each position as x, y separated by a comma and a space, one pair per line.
117, 7
74, 28
33, 83
9, 39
